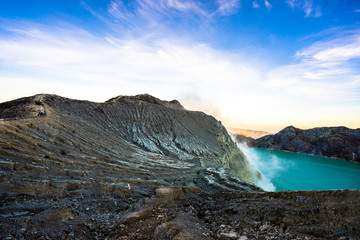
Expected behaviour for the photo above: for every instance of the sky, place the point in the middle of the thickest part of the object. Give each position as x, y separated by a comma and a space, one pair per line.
255, 64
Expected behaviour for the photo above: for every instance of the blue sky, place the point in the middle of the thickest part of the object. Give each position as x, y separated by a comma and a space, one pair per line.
261, 64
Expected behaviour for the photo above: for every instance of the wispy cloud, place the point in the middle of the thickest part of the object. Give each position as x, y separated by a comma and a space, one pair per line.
335, 55
119, 11
183, 5
151, 12
179, 5
121, 65
95, 13
307, 6
267, 4
327, 69
341, 48
227, 7
256, 4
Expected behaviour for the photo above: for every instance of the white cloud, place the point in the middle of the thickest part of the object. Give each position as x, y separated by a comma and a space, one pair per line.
227, 7
267, 4
255, 5
307, 6
291, 3
327, 70
336, 50
339, 53
153, 15
150, 13
183, 5
119, 11
163, 67
163, 6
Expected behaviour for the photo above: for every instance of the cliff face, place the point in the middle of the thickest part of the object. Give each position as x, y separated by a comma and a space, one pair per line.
127, 143
336, 142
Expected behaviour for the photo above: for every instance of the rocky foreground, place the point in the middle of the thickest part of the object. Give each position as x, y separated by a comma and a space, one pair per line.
141, 168
335, 142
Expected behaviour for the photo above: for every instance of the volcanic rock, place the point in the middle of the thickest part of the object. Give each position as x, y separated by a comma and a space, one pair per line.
335, 142
243, 139
142, 168
57, 153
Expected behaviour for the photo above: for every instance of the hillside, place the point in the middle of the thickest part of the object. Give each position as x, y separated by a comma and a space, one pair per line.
140, 138
336, 142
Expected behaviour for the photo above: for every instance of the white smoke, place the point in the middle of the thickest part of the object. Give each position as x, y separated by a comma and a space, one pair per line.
257, 165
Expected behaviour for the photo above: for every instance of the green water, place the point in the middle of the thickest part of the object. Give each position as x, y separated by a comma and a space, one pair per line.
293, 171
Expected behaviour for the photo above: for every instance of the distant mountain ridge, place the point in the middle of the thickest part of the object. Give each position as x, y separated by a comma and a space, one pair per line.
255, 134
336, 142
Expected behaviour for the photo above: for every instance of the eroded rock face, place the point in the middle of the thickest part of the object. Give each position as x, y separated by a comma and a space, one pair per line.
125, 144
336, 142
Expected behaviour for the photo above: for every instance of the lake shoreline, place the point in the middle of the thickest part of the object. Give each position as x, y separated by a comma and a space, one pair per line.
289, 171
308, 154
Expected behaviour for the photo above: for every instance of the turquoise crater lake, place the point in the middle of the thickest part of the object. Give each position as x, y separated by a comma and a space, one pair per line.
293, 171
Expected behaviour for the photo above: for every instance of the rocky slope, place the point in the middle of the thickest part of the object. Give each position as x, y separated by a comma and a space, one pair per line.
336, 142
57, 147
141, 168
140, 138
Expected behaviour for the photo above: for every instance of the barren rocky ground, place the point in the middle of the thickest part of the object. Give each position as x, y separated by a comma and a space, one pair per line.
141, 168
